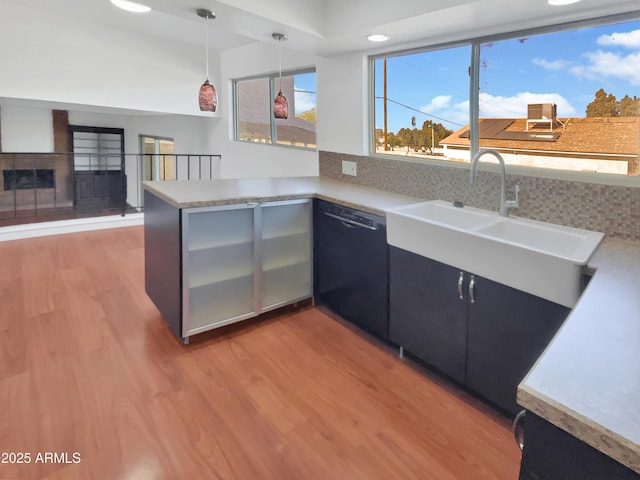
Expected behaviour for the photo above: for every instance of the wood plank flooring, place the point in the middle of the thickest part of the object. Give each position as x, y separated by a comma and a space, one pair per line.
87, 365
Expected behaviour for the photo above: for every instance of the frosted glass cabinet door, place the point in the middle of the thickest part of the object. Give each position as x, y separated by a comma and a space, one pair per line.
285, 253
218, 263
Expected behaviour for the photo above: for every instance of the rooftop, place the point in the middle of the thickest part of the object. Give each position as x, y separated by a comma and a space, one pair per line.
597, 135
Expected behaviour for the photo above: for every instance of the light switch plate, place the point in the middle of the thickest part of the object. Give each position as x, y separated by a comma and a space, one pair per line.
349, 168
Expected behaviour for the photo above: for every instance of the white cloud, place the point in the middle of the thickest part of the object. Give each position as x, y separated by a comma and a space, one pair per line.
551, 65
625, 39
437, 103
459, 114
610, 65
304, 101
516, 106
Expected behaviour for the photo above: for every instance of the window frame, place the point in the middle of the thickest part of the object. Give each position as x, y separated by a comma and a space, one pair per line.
474, 95
272, 77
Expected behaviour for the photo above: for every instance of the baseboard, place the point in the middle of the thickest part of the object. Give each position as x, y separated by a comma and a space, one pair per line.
31, 230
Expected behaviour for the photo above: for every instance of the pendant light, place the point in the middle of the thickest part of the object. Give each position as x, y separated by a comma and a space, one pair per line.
207, 98
280, 104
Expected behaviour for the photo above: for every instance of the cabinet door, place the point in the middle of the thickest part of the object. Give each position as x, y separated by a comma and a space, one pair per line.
427, 316
218, 262
285, 253
508, 330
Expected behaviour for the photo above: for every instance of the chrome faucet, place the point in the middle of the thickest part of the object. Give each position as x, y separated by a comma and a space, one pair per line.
505, 204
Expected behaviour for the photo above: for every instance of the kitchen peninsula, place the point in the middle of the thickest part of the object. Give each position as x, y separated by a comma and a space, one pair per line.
587, 382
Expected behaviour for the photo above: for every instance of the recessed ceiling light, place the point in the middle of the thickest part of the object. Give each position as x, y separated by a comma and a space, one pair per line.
131, 6
377, 37
562, 2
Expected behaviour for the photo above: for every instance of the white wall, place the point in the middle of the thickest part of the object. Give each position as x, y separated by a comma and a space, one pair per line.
45, 56
26, 129
343, 105
243, 159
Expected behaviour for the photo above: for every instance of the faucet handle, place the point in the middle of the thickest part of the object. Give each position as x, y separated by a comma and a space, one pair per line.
514, 203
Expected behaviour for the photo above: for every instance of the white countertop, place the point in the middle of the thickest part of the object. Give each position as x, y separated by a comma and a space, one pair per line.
200, 193
587, 381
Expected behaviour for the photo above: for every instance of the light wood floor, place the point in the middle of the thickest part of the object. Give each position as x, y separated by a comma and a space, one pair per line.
87, 365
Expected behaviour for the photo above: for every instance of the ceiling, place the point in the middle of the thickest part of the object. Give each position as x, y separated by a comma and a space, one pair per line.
331, 27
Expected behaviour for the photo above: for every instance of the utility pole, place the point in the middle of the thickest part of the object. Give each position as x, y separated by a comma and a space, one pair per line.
386, 136
433, 146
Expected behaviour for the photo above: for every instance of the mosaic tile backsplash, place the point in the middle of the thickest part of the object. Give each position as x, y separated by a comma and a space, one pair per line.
610, 209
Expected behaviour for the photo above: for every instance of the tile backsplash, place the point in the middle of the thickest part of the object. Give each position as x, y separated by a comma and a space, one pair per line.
610, 209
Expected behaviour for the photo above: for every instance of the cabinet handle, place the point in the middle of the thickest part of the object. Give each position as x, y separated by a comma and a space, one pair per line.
518, 428
472, 283
460, 281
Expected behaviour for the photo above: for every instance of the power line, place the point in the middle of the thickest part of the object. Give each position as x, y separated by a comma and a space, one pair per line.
420, 111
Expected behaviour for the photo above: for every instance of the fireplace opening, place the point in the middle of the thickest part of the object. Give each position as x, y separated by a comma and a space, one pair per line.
28, 178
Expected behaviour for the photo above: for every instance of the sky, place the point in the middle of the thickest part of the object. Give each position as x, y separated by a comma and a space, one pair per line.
565, 68
304, 91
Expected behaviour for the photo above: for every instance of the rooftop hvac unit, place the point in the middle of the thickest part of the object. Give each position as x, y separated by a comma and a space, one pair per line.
541, 113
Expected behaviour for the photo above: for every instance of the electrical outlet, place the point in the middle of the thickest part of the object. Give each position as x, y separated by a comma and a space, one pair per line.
349, 168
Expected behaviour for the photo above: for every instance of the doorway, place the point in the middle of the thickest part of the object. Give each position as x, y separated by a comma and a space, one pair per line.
159, 162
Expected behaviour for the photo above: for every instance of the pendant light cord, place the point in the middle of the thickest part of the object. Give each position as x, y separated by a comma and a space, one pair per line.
207, 44
280, 62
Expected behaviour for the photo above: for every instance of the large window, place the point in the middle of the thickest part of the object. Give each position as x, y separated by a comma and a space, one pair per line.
254, 120
566, 100
420, 99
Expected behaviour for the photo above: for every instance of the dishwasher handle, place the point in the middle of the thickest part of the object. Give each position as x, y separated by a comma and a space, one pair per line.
350, 223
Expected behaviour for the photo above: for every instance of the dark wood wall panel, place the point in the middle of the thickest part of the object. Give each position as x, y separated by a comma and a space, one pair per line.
60, 131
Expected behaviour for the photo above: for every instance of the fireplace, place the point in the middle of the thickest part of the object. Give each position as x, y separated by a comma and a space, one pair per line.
28, 178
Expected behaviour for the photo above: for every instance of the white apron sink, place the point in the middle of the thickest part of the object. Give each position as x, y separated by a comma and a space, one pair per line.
536, 257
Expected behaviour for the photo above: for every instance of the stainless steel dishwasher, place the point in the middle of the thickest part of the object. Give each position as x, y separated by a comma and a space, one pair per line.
351, 265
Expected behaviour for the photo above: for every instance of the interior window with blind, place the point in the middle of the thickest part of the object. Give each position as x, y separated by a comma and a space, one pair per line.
566, 100
253, 110
97, 150
99, 178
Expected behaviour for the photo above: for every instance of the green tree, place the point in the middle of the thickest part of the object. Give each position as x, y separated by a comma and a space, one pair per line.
607, 105
405, 136
309, 115
439, 132
420, 139
604, 105
393, 140
630, 107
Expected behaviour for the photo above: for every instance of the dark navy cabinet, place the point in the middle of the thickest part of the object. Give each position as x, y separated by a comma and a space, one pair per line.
507, 331
477, 331
553, 454
426, 316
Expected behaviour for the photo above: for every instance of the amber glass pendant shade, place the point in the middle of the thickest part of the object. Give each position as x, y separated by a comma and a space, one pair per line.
208, 98
280, 106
